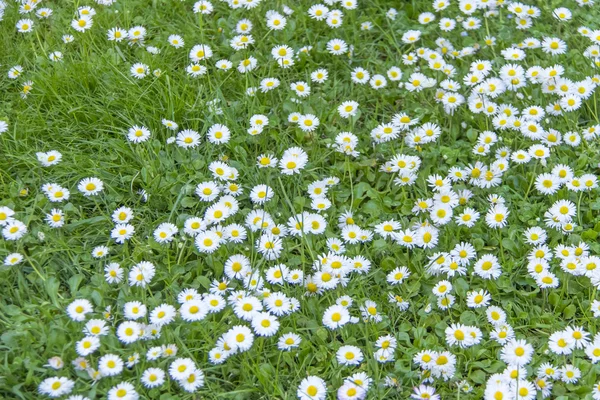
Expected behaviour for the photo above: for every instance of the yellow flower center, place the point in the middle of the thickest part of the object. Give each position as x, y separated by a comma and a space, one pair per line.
519, 351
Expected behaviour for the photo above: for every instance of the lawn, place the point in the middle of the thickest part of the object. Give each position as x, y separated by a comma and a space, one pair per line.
257, 199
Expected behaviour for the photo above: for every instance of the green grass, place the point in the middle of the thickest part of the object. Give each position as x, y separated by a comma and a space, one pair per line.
84, 105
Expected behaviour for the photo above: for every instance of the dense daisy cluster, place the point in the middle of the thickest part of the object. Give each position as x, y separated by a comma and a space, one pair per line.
344, 199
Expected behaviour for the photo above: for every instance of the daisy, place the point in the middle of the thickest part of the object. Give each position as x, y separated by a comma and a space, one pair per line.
200, 52
308, 122
360, 75
87, 345
122, 215
90, 186
411, 36
6, 215
497, 215
203, 7
275, 21
50, 158
218, 134
547, 184
547, 280
241, 337
116, 34
235, 233
110, 365
188, 138
43, 12
563, 210
517, 352
123, 390
535, 235
348, 109
335, 317
100, 251
193, 381
138, 134
590, 181
56, 386
163, 315
468, 217
293, 159
55, 56
440, 213
487, 267
181, 368
378, 82
570, 374
153, 377
13, 259
246, 307
26, 89
300, 88
349, 355
264, 324
277, 274
139, 71
312, 388
15, 72
224, 65
502, 334
337, 47
561, 343
247, 65
553, 46
207, 242
196, 70
113, 273
478, 299
369, 311
24, 25
83, 23
55, 218
193, 310
14, 230
319, 75
122, 232
398, 275
141, 274
269, 84
165, 232
269, 246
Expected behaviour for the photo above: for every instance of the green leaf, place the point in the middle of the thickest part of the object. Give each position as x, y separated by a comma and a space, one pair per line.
52, 284
569, 311
478, 377
204, 281
83, 222
590, 234
189, 202
74, 283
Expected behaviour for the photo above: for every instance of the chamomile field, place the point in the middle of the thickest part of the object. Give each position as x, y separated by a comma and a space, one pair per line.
260, 199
